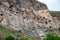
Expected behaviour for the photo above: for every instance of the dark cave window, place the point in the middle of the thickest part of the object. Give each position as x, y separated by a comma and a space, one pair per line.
37, 7
49, 20
17, 12
50, 26
11, 6
10, 10
46, 22
39, 26
43, 17
23, 17
1, 14
22, 11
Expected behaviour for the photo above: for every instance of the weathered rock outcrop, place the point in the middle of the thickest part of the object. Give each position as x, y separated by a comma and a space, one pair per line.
29, 16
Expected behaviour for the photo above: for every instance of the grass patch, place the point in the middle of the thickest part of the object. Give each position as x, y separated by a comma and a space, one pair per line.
6, 32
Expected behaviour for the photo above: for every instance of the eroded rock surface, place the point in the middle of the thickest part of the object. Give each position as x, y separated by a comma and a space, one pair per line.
29, 16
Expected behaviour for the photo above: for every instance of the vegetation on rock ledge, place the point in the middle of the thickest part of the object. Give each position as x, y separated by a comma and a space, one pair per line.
52, 36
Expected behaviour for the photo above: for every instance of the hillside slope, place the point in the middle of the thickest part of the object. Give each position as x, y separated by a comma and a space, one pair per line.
29, 16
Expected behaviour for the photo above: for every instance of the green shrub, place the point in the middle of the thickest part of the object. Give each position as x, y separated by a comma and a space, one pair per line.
9, 38
52, 36
59, 28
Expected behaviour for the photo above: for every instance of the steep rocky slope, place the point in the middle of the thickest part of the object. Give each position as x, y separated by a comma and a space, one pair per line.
29, 16
56, 16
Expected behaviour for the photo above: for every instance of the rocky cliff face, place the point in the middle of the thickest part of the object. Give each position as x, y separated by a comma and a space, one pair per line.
29, 16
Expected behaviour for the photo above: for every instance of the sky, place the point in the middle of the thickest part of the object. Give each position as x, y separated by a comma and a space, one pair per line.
52, 4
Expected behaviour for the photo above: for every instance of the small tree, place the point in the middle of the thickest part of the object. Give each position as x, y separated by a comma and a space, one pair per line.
9, 38
51, 36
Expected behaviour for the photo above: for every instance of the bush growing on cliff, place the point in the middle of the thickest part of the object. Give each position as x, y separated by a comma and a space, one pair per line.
9, 38
51, 36
59, 28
